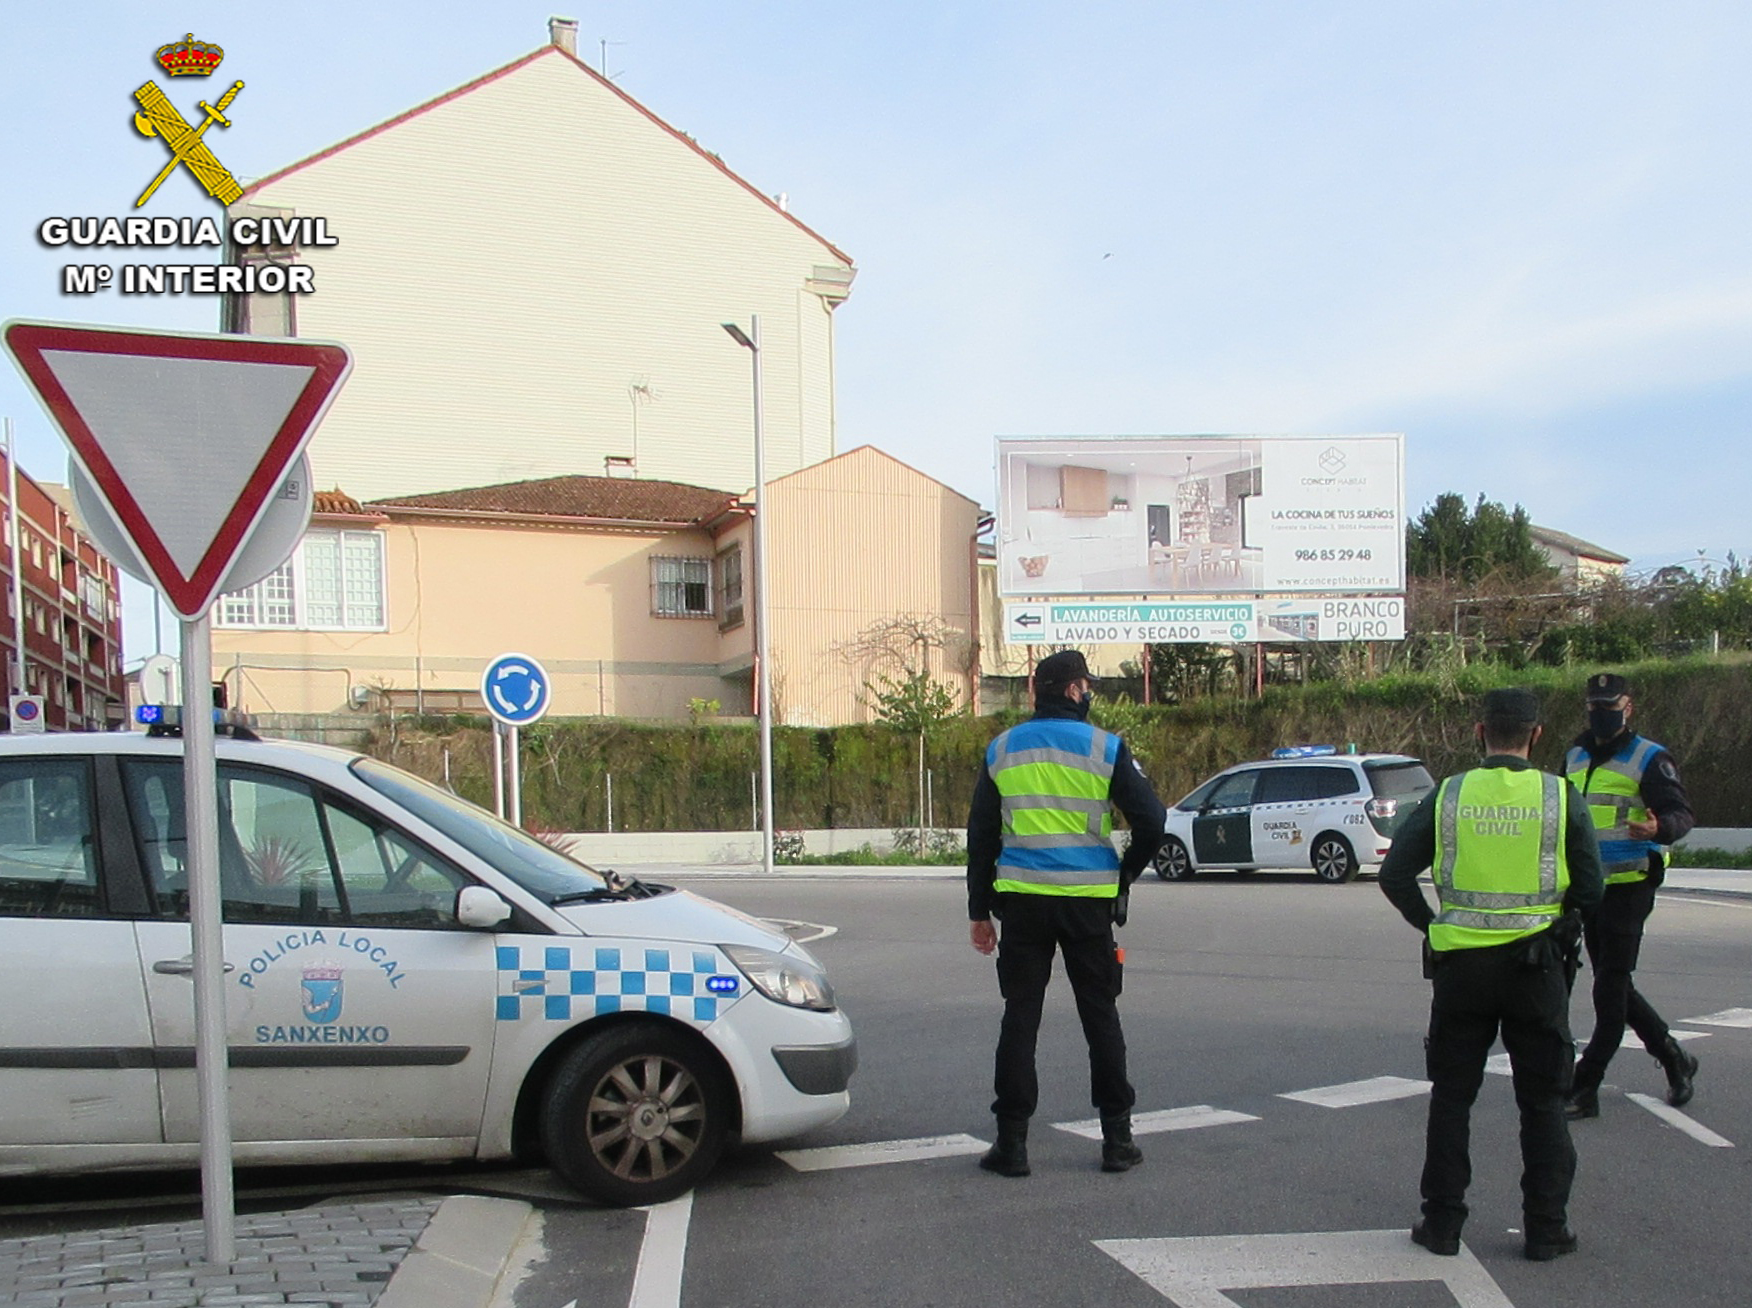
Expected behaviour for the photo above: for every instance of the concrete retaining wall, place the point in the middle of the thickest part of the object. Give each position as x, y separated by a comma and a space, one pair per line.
722, 847
1736, 840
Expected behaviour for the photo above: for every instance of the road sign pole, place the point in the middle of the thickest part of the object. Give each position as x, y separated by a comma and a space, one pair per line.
206, 929
516, 798
498, 769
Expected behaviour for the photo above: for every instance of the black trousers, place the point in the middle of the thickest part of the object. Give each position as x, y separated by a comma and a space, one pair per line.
1518, 988
1614, 937
1032, 928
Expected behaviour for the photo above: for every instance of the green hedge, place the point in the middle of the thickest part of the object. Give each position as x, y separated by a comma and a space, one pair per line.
685, 778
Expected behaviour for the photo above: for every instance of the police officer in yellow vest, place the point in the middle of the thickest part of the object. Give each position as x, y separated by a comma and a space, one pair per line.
1639, 806
1511, 853
1040, 859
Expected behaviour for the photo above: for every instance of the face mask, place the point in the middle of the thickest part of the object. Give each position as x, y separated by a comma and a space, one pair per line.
1080, 705
1605, 723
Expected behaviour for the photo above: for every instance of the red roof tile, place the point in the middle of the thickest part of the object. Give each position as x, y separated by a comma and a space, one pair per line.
337, 503
619, 499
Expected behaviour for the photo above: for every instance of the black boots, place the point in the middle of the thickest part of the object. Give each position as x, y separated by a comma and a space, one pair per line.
1543, 1246
1583, 1100
1436, 1239
1680, 1067
1009, 1156
1118, 1153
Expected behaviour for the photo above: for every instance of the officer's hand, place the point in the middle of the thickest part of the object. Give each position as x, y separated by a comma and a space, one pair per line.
983, 935
1643, 830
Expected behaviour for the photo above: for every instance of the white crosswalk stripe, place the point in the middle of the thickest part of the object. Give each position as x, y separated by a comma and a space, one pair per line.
1375, 1090
1166, 1119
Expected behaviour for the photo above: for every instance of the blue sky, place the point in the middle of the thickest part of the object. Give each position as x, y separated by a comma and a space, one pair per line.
1516, 232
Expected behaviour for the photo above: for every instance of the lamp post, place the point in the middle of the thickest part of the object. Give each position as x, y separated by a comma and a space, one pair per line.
750, 341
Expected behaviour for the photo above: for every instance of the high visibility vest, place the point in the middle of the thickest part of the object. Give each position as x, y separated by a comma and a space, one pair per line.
1613, 790
1053, 775
1500, 871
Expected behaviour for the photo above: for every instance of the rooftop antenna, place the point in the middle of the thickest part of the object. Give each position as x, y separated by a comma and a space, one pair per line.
602, 59
640, 391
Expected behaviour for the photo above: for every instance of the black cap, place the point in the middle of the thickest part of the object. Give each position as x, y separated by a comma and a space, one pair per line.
1062, 669
1606, 686
1511, 707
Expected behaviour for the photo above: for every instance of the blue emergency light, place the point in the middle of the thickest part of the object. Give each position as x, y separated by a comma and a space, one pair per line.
721, 985
148, 715
1303, 751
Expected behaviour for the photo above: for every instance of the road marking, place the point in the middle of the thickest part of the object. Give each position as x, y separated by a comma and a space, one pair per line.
883, 1151
1193, 1272
1741, 1017
1377, 1089
657, 1282
804, 933
1165, 1119
1673, 1117
1498, 1064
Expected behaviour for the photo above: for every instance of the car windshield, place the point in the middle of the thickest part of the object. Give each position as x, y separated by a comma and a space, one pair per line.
1407, 780
538, 868
1198, 796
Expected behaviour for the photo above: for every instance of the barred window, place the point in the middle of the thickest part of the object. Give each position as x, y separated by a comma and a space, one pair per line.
681, 588
333, 582
730, 587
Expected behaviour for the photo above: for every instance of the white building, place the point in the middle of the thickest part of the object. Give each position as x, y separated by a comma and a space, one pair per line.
1579, 561
532, 271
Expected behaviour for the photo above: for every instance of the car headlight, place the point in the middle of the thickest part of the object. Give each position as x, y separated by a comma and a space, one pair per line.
783, 978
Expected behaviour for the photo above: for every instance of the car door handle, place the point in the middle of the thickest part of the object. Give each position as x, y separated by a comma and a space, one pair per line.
184, 966
525, 987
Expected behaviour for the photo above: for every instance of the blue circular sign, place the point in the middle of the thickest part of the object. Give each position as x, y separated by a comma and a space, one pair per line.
28, 710
515, 688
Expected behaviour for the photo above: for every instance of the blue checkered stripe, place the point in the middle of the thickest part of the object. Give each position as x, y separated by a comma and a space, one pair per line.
565, 983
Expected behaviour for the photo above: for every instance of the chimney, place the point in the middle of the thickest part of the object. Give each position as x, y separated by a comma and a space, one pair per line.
563, 32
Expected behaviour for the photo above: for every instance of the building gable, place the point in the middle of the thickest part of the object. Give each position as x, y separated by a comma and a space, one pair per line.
531, 272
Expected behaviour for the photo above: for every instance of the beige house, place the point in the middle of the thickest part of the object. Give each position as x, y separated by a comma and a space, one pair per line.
1581, 562
636, 595
873, 572
532, 271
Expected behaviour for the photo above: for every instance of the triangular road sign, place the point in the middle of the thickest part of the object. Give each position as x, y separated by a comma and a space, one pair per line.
185, 436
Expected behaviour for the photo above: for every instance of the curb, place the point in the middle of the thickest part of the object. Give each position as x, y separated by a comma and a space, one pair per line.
461, 1255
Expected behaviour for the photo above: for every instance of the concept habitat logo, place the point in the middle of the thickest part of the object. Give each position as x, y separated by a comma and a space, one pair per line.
266, 247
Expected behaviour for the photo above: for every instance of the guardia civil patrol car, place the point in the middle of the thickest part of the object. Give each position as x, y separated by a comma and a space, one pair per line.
406, 978
1307, 807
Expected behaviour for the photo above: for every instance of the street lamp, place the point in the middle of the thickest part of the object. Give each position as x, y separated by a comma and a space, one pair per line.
750, 341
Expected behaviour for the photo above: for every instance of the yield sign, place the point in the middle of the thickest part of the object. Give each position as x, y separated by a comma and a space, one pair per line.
185, 436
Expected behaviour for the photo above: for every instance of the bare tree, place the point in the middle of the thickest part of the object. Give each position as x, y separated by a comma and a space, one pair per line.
894, 656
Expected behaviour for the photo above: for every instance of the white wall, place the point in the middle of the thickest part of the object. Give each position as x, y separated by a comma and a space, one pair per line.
511, 261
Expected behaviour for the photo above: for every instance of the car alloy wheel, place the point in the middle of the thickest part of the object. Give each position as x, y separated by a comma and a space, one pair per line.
1172, 861
1333, 861
636, 1115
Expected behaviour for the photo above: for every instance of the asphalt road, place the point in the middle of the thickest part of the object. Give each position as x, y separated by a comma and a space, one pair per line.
1240, 990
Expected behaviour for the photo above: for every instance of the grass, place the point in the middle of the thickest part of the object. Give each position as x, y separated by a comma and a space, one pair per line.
1684, 856
866, 856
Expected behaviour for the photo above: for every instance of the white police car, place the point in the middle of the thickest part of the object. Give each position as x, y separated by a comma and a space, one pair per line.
406, 978
1306, 807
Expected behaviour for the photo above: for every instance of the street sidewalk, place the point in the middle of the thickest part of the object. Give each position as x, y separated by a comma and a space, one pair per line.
397, 1253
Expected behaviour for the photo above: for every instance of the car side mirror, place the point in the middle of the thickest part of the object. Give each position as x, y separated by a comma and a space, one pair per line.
476, 906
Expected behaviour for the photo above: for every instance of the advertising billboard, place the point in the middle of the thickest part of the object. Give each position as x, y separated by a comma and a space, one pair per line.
1229, 621
1176, 516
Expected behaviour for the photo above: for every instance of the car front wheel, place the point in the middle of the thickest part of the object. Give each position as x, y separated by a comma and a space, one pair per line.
1333, 861
636, 1115
1172, 862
